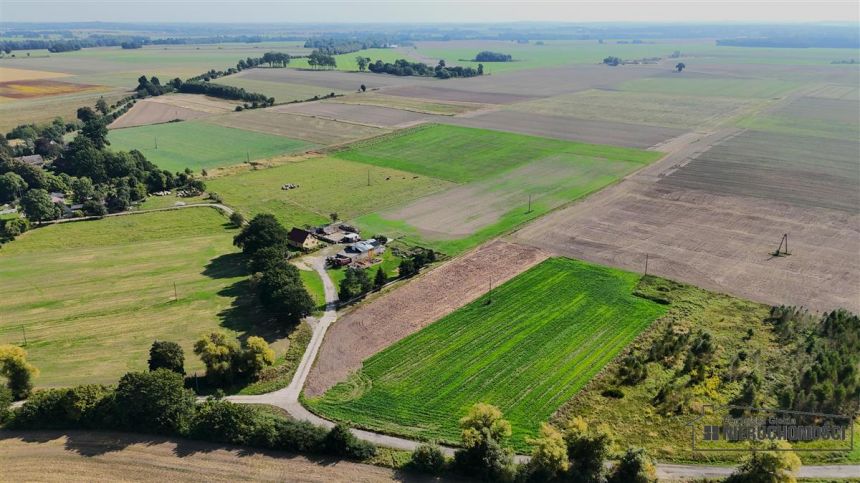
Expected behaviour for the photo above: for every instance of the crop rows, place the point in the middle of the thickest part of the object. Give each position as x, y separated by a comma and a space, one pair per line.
527, 347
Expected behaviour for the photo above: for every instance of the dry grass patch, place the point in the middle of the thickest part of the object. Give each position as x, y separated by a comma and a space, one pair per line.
27, 89
9, 74
408, 104
314, 130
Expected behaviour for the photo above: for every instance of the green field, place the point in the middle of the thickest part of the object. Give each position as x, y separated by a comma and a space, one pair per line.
347, 61
528, 361
461, 154
92, 296
199, 145
497, 173
326, 185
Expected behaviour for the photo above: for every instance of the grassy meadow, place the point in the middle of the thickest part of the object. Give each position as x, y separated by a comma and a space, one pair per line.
462, 154
199, 145
527, 362
326, 185
93, 296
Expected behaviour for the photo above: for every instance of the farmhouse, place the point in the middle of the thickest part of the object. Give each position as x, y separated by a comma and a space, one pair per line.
302, 239
33, 160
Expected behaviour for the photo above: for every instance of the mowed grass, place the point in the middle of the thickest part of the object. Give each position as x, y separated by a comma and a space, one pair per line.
461, 154
93, 296
526, 347
199, 145
326, 185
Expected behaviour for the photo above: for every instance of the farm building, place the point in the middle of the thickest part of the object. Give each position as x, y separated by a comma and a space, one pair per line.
33, 160
302, 239
362, 250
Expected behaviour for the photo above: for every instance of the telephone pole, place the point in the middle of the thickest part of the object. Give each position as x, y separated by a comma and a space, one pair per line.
646, 264
175, 297
24, 330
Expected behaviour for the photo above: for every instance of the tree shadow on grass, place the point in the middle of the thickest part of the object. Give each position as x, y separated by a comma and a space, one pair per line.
246, 316
229, 265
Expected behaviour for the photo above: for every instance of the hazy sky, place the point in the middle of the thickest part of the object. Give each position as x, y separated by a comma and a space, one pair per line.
425, 11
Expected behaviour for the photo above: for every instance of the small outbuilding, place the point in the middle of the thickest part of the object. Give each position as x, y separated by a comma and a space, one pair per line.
302, 239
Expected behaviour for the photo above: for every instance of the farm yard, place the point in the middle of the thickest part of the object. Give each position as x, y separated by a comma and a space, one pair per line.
325, 185
526, 362
199, 145
92, 296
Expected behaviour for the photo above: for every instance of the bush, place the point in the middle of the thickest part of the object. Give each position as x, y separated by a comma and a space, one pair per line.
634, 467
86, 407
154, 402
5, 403
167, 355
428, 458
613, 392
237, 219
767, 467
300, 436
18, 372
341, 442
224, 422
14, 227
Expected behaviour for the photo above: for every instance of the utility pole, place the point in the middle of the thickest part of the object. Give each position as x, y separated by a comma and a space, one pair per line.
24, 330
368, 177
156, 142
646, 264
175, 297
247, 156
530, 204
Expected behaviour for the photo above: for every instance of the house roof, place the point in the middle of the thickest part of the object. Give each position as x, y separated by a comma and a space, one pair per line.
298, 235
34, 159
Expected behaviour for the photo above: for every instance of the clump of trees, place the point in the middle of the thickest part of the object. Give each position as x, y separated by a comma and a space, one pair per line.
612, 61
484, 454
823, 362
356, 283
346, 44
318, 58
776, 465
403, 67
411, 264
278, 283
487, 56
227, 361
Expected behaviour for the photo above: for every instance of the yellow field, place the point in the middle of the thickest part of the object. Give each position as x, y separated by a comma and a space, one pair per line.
8, 74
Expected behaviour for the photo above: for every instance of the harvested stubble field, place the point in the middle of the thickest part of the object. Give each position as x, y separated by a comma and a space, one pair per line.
416, 105
92, 296
281, 91
671, 111
332, 79
9, 74
804, 171
34, 89
570, 128
105, 456
449, 94
811, 116
369, 328
312, 130
199, 145
45, 109
715, 241
161, 109
383, 117
326, 185
526, 362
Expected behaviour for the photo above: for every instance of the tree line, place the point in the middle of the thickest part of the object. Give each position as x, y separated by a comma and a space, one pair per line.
403, 67
344, 45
